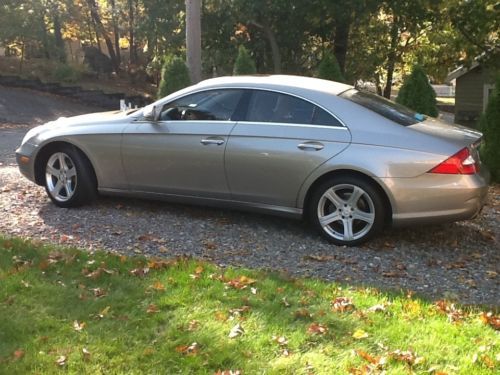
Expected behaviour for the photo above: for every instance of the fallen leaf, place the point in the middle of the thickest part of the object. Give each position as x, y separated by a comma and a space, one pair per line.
77, 326
61, 361
18, 354
280, 340
302, 313
342, 304
158, 286
360, 334
152, 309
491, 320
193, 325
99, 292
140, 272
377, 308
236, 331
241, 283
227, 372
453, 314
320, 258
406, 356
86, 354
317, 328
103, 312
367, 357
188, 349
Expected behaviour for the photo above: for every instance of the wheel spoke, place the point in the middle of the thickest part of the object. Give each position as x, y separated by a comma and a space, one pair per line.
69, 190
54, 172
71, 172
332, 196
328, 219
348, 230
368, 217
354, 198
62, 163
58, 187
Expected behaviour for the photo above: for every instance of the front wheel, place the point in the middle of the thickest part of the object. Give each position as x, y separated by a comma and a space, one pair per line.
347, 210
69, 179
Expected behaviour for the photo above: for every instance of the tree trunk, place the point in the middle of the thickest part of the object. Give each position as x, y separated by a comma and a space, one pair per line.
391, 58
275, 51
116, 31
341, 41
61, 53
131, 26
193, 39
100, 27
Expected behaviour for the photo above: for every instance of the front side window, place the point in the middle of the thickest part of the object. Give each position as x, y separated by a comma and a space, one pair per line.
214, 105
384, 107
268, 106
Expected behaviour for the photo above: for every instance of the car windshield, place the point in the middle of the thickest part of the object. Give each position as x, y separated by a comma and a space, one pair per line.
384, 107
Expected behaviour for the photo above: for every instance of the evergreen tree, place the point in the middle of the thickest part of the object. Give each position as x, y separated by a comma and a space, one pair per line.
244, 63
490, 126
418, 94
329, 68
174, 76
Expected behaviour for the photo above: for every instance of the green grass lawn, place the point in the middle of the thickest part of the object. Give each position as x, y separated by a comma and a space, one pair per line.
69, 311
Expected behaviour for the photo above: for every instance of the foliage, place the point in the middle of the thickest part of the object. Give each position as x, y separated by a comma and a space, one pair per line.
490, 126
69, 73
91, 312
329, 68
244, 63
174, 76
417, 93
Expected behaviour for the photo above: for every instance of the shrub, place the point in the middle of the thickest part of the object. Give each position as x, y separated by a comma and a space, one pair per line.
244, 63
490, 126
418, 94
174, 76
68, 73
329, 68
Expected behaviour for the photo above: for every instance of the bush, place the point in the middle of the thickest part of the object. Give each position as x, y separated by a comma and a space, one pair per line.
68, 73
418, 94
329, 68
490, 126
174, 76
244, 63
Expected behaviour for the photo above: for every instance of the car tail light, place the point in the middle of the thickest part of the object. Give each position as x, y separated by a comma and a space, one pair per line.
460, 163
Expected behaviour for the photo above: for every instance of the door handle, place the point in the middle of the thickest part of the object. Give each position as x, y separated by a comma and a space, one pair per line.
212, 141
316, 146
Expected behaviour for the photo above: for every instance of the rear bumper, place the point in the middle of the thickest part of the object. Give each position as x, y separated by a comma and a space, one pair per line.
436, 198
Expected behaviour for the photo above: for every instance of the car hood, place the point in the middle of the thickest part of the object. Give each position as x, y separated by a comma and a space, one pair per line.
459, 135
81, 120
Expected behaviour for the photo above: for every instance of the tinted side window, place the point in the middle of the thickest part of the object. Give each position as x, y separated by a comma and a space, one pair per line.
215, 105
266, 106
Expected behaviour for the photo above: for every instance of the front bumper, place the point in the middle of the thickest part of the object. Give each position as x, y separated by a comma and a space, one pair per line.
25, 157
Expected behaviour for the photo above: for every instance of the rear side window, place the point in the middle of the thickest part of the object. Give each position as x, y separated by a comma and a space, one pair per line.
390, 110
268, 106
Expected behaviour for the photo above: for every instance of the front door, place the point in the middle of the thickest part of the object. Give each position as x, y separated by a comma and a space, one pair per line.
183, 152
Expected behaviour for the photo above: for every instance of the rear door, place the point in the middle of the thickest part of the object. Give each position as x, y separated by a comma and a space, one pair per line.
282, 140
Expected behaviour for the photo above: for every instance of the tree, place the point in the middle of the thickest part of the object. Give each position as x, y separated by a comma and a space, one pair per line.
417, 93
175, 76
490, 126
193, 39
244, 63
329, 68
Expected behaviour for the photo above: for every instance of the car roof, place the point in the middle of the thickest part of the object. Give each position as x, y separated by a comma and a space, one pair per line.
277, 82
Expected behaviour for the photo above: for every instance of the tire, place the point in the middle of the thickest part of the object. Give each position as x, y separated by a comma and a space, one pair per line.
69, 177
342, 218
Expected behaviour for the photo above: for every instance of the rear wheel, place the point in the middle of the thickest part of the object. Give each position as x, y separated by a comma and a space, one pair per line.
347, 210
69, 178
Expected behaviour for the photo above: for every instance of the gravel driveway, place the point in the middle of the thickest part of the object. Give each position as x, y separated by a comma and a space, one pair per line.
457, 261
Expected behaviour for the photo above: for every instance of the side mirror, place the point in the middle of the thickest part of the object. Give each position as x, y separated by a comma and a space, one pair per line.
150, 113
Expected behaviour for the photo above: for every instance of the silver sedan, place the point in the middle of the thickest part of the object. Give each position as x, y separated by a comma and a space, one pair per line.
349, 161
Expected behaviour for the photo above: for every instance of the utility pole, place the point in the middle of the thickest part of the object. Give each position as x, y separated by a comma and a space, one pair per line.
193, 39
